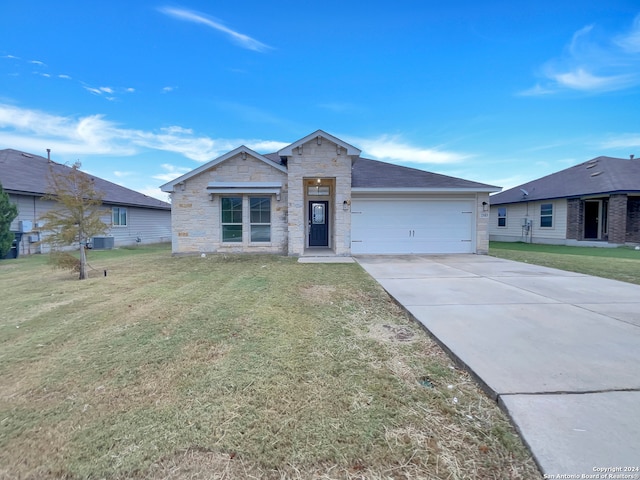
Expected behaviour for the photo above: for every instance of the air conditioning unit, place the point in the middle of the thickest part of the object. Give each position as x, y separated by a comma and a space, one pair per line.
25, 226
102, 243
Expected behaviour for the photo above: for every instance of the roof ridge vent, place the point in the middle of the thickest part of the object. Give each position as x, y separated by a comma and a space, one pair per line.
595, 174
27, 155
591, 164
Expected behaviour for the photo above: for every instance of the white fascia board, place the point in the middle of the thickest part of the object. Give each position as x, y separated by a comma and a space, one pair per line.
244, 187
169, 186
288, 151
423, 190
275, 191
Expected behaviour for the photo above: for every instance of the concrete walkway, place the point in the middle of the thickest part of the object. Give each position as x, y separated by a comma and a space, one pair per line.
559, 351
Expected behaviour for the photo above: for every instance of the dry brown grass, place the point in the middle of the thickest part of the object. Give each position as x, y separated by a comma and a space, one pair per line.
232, 367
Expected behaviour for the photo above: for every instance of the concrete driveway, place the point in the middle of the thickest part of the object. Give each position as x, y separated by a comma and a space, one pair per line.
559, 351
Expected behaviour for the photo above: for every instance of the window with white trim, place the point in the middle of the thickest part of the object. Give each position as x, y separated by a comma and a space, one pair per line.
119, 216
546, 215
231, 219
502, 216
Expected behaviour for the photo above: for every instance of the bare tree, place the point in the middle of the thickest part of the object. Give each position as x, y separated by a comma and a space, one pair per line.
79, 212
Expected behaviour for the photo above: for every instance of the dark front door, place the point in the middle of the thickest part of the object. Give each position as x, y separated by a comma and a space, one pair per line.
591, 221
318, 224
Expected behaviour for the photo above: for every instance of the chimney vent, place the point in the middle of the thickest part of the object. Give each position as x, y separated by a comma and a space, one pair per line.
49, 154
631, 156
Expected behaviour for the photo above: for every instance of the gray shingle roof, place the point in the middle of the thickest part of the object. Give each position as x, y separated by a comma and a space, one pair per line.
601, 175
367, 173
26, 173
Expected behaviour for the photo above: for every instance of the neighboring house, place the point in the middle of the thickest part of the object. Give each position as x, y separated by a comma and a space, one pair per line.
131, 216
317, 196
593, 203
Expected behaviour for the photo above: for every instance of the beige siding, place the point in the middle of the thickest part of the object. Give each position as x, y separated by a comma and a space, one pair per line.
150, 225
518, 212
144, 225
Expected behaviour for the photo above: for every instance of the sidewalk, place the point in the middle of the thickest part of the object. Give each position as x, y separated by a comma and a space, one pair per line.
559, 351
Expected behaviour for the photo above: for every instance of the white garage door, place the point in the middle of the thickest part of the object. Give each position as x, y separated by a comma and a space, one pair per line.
396, 226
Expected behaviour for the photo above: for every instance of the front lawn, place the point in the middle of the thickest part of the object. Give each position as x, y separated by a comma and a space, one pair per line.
231, 367
621, 263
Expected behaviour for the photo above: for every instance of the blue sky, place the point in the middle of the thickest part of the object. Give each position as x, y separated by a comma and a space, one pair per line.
499, 92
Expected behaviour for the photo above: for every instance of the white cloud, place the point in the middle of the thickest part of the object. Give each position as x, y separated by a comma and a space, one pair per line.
66, 77
170, 172
393, 148
120, 174
168, 89
264, 146
580, 79
26, 129
593, 61
154, 192
628, 140
95, 91
175, 129
240, 39
37, 62
108, 93
630, 41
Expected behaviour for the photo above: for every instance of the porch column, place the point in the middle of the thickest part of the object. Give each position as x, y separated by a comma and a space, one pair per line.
575, 219
617, 219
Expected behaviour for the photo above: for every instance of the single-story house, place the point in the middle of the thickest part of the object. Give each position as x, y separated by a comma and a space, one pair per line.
318, 196
594, 203
132, 216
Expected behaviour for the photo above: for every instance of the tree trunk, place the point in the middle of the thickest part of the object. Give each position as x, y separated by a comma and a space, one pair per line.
83, 261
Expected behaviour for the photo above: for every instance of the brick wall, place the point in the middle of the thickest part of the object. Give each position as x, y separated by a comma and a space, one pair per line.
633, 219
575, 219
617, 219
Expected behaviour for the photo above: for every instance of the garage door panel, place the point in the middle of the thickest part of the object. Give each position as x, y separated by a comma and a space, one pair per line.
412, 226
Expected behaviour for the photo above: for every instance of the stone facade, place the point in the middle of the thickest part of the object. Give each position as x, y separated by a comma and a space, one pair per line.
196, 215
313, 161
482, 224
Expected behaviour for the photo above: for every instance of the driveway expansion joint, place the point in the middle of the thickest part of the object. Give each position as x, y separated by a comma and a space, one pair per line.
571, 392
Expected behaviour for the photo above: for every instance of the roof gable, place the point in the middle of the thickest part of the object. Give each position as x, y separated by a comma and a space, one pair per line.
27, 174
601, 175
169, 186
288, 151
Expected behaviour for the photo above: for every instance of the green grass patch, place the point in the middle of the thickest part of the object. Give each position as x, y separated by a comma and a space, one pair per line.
621, 263
231, 367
